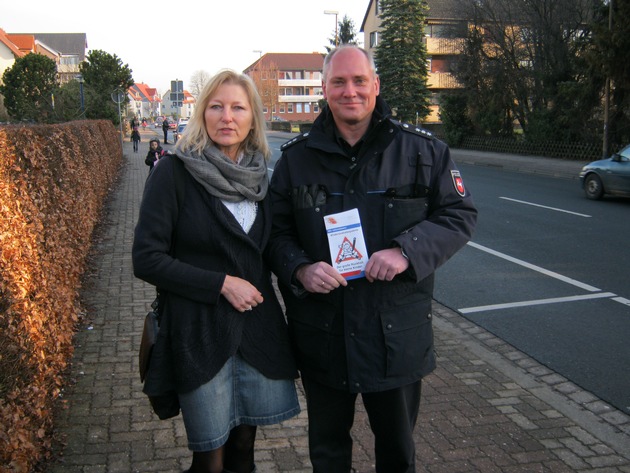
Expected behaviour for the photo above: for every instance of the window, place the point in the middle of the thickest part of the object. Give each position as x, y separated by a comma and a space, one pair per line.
71, 60
307, 108
315, 108
373, 39
377, 7
289, 108
265, 110
298, 108
282, 109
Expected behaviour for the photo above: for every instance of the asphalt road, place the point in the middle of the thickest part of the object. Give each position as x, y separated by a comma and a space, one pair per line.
547, 271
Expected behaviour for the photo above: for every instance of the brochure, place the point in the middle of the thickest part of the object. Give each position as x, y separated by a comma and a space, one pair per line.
347, 244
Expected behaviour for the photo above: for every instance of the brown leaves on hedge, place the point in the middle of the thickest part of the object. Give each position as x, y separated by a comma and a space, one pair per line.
53, 183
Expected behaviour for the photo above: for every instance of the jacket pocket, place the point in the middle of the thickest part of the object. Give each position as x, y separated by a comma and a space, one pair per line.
408, 335
311, 334
402, 214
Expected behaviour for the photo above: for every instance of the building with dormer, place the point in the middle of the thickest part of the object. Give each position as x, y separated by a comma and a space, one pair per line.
144, 102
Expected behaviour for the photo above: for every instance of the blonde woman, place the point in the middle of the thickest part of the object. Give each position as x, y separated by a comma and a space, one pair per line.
223, 340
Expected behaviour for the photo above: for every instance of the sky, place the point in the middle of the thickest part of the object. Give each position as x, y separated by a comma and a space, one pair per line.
167, 40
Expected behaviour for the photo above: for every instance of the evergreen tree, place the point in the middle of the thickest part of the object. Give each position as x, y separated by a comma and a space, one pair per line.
401, 58
28, 88
346, 34
103, 74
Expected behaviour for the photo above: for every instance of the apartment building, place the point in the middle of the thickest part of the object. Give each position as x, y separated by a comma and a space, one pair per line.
445, 30
290, 85
173, 108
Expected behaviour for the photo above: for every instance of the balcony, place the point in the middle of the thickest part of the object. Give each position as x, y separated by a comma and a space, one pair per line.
442, 80
444, 46
299, 98
299, 83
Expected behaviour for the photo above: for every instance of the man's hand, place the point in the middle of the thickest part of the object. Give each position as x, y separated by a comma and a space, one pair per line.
385, 264
319, 277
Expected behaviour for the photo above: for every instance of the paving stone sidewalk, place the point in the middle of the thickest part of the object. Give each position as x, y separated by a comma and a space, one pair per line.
487, 408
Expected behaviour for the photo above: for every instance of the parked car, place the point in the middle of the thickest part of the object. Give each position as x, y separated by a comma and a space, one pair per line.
172, 125
180, 129
607, 176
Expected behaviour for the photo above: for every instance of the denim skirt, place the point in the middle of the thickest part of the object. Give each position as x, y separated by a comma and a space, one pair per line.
238, 394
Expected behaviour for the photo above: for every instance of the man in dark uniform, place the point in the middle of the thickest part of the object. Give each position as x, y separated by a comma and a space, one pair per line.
370, 335
165, 130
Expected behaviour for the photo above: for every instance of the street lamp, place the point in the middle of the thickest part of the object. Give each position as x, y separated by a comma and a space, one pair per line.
334, 12
80, 80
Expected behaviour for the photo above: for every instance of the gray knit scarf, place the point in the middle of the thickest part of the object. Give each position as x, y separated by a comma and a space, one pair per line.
225, 179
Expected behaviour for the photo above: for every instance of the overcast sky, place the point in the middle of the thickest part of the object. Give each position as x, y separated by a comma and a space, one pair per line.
167, 40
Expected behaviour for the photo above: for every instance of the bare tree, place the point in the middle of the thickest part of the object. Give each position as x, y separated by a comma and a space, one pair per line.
197, 81
265, 76
525, 60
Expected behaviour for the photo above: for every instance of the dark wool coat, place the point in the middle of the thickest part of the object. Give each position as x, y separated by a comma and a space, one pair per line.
200, 329
376, 336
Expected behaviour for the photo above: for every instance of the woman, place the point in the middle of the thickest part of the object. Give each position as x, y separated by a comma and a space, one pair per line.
223, 340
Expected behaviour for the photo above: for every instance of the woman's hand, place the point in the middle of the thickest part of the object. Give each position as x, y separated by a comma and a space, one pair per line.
240, 293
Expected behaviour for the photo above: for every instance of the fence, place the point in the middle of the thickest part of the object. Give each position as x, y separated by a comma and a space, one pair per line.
580, 151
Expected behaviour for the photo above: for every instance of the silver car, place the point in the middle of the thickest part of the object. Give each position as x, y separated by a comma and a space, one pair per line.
607, 176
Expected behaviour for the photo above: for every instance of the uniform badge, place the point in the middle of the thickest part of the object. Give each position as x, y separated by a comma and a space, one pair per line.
458, 183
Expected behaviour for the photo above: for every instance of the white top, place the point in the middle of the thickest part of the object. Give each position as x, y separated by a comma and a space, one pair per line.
244, 212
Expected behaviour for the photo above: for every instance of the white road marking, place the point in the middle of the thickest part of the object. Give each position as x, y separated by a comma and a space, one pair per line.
555, 300
545, 207
544, 271
622, 300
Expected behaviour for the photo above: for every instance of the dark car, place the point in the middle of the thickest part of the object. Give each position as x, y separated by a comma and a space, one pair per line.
607, 176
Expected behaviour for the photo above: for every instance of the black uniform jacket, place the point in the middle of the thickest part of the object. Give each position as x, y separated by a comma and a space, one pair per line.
186, 249
376, 336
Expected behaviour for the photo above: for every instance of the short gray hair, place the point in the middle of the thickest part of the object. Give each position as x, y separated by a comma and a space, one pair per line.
332, 53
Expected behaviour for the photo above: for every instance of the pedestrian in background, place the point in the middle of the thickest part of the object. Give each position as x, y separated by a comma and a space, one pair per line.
135, 137
165, 126
370, 335
223, 333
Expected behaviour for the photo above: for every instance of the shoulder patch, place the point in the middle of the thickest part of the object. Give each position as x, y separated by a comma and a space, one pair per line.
416, 130
293, 141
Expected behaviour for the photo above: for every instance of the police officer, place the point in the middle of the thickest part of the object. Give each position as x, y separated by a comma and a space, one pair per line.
370, 335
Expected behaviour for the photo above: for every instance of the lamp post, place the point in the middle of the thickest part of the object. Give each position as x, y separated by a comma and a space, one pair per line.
80, 80
334, 12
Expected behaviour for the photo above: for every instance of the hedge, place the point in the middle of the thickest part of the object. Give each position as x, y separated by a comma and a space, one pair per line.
54, 180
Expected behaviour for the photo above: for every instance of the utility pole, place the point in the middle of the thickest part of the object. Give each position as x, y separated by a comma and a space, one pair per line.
606, 140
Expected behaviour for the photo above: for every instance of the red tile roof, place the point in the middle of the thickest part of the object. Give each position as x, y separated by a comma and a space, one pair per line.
291, 61
4, 39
